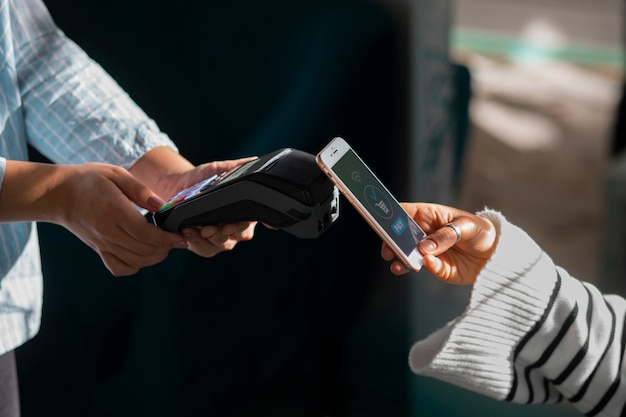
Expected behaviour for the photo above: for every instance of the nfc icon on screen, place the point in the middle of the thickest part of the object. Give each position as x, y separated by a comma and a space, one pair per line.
356, 176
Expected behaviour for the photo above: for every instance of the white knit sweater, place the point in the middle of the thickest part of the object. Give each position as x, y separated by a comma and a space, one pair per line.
532, 333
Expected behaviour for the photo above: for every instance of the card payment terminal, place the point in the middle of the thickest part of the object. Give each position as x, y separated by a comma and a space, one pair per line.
284, 189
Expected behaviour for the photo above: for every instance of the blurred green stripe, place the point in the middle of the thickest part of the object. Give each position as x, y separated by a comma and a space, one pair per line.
463, 39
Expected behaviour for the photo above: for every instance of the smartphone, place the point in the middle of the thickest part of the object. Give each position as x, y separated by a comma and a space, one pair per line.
371, 198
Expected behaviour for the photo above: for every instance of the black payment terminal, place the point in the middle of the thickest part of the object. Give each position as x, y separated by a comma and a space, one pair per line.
284, 189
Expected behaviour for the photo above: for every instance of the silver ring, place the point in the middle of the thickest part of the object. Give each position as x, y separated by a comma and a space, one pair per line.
456, 229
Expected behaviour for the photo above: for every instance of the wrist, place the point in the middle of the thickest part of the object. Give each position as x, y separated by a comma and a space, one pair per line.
157, 165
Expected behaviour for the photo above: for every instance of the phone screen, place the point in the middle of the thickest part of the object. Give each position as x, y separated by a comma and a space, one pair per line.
378, 201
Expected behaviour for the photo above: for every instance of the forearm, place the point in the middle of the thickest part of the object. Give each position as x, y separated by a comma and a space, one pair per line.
471, 343
28, 191
531, 334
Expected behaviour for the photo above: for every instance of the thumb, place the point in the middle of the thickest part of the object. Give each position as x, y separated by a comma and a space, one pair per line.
139, 193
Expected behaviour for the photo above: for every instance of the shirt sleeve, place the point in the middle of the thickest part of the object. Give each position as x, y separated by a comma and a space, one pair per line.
531, 334
74, 111
3, 168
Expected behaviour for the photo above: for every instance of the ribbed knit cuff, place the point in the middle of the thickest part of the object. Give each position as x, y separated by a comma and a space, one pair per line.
474, 351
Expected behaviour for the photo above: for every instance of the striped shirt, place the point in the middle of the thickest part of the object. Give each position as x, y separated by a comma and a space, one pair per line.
55, 98
532, 334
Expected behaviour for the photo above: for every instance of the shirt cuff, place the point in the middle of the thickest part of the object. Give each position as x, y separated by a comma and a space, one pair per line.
3, 168
475, 350
148, 137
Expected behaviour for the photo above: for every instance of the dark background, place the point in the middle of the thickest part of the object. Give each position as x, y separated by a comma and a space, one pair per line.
280, 326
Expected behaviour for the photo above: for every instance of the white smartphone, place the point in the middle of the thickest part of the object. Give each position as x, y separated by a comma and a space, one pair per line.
369, 196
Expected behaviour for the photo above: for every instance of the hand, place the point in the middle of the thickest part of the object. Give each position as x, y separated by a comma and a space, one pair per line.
448, 260
208, 241
168, 183
205, 241
94, 201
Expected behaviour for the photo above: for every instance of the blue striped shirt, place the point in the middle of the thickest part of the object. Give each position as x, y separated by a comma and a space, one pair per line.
55, 98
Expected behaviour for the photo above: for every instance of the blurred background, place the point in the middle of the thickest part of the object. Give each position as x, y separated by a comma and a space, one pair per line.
506, 104
544, 146
547, 82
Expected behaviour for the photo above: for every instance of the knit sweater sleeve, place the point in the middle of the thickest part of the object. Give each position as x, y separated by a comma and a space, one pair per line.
531, 333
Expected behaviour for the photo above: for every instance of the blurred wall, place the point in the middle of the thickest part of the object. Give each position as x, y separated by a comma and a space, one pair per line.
440, 93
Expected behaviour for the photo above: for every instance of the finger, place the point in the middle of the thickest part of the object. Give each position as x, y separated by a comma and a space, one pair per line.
143, 238
219, 239
127, 263
246, 231
207, 232
386, 253
216, 167
436, 266
232, 163
212, 234
229, 229
237, 231
140, 253
447, 236
204, 240
208, 241
398, 268
211, 246
137, 192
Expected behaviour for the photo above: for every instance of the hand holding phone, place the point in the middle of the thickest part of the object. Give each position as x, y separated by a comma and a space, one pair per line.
369, 196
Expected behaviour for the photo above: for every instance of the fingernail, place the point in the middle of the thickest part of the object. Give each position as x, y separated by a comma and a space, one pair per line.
155, 201
181, 244
428, 245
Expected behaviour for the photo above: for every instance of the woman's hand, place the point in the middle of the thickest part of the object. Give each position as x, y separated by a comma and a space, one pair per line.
456, 259
95, 202
207, 241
